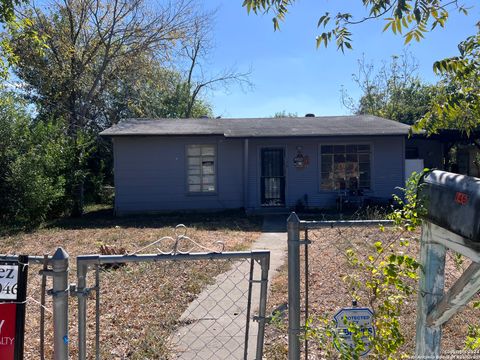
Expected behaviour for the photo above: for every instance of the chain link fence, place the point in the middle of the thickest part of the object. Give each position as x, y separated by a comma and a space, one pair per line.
184, 301
347, 249
221, 293
364, 264
218, 324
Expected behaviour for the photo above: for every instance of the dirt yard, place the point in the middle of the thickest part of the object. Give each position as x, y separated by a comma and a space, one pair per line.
330, 291
140, 303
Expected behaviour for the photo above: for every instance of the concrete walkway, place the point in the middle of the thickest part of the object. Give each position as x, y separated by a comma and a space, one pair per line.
215, 323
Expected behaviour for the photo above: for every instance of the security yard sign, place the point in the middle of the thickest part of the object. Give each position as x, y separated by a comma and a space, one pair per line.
363, 318
13, 286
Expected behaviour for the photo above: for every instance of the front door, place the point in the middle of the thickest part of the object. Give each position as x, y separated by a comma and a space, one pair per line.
273, 177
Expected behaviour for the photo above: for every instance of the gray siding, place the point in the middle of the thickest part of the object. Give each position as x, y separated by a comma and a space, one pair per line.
150, 174
387, 164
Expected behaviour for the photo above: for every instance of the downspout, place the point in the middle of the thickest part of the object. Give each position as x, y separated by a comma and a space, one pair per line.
245, 174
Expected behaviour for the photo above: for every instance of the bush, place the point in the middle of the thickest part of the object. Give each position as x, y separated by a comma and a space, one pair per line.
32, 164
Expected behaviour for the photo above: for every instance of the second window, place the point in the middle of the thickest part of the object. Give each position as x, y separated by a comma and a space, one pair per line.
345, 167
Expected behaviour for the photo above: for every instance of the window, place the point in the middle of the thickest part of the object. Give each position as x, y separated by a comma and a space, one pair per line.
345, 167
201, 168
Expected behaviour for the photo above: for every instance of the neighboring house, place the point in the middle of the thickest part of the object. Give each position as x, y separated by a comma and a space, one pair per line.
191, 164
468, 160
422, 151
448, 149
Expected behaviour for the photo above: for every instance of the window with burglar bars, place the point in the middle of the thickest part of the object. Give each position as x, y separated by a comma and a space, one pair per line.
345, 167
201, 171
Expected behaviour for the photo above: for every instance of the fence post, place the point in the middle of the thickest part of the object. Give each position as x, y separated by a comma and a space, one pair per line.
293, 228
262, 311
431, 286
59, 263
82, 269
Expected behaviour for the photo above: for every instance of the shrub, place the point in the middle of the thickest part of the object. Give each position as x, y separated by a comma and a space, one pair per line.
32, 164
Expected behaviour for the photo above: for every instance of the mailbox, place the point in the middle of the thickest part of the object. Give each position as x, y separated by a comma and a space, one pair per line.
452, 202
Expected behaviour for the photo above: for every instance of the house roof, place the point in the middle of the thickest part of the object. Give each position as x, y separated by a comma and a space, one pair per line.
261, 127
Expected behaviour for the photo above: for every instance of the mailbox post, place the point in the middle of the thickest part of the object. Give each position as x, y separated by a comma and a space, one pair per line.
451, 221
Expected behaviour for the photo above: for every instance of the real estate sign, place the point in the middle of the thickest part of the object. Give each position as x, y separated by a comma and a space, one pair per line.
13, 286
361, 317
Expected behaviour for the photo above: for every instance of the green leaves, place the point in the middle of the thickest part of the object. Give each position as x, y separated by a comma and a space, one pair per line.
323, 21
32, 167
378, 247
407, 216
414, 17
450, 65
457, 103
278, 7
7, 9
324, 39
472, 341
387, 275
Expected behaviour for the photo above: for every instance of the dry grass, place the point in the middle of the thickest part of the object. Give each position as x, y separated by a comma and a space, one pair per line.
140, 303
329, 292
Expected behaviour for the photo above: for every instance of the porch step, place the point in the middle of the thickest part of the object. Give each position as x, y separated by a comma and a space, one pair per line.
270, 211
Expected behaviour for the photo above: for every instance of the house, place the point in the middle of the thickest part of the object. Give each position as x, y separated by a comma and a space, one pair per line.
257, 163
468, 160
447, 149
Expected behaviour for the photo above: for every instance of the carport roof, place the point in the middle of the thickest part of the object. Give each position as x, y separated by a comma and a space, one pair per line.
354, 125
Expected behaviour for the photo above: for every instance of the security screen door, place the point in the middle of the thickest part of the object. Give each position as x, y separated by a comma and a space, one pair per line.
273, 177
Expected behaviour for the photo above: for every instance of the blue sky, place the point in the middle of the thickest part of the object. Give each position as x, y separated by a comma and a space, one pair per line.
289, 73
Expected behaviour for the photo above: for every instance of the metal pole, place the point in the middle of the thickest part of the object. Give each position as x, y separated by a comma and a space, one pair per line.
306, 288
60, 304
120, 259
262, 311
82, 269
293, 228
431, 286
249, 307
43, 285
97, 312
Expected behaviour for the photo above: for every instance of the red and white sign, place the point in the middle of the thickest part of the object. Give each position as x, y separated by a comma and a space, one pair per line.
7, 330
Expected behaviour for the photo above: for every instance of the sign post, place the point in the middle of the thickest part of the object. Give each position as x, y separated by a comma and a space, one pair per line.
363, 318
13, 294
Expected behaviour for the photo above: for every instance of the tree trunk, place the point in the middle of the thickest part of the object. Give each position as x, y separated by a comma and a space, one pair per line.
78, 198
77, 179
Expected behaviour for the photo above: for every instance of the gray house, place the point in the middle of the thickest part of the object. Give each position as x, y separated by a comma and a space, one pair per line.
209, 164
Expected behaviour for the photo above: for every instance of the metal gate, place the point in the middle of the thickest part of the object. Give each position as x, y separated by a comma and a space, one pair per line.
223, 317
225, 320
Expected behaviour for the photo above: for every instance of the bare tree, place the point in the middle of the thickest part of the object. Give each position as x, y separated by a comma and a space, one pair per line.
196, 49
394, 90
